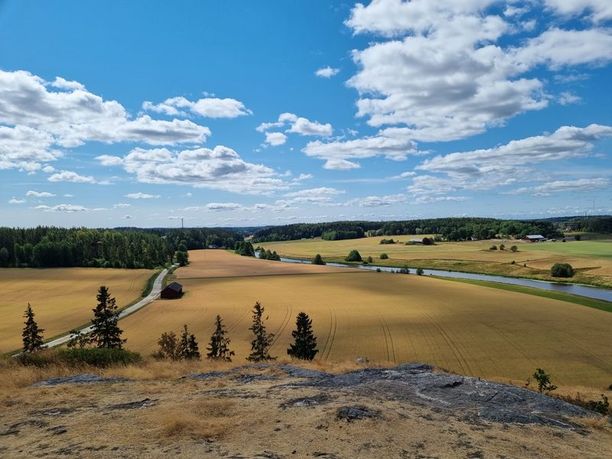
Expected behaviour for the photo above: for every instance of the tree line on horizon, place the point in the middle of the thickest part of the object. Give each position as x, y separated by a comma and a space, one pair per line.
43, 247
450, 229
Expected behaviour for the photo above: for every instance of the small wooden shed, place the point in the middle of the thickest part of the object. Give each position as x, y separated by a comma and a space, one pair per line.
172, 291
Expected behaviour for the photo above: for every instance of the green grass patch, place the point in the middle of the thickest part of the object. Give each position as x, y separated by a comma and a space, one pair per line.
590, 302
95, 357
591, 248
149, 285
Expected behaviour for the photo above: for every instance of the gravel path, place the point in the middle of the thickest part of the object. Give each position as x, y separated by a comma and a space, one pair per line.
152, 296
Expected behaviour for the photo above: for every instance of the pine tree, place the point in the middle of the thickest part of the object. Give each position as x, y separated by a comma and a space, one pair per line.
188, 348
260, 346
218, 348
106, 333
305, 344
32, 335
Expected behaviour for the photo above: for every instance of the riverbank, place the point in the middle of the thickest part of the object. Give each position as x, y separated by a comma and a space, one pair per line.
592, 260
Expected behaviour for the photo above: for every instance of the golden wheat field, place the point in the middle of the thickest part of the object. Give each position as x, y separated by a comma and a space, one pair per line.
62, 298
384, 317
592, 258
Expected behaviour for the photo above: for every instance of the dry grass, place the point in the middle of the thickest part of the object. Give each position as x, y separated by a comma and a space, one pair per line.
227, 418
392, 318
62, 298
202, 419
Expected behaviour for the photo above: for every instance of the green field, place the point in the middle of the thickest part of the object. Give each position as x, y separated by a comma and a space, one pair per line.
592, 259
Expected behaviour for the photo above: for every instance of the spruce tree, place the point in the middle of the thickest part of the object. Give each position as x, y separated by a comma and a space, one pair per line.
188, 348
260, 346
32, 335
305, 342
218, 348
106, 333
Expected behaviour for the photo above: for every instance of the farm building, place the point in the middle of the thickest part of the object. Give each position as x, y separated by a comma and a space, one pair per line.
172, 291
535, 238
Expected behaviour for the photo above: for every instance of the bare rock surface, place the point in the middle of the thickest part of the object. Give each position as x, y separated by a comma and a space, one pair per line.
472, 398
281, 410
77, 379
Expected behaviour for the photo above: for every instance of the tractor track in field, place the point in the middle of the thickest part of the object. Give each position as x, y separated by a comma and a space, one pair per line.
465, 366
234, 325
389, 344
331, 335
283, 325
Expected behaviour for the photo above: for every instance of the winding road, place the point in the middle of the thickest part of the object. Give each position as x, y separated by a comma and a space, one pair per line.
152, 296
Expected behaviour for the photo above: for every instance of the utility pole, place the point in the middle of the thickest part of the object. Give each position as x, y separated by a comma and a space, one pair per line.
182, 224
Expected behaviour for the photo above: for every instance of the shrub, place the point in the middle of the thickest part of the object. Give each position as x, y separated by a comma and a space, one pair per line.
562, 270
577, 237
428, 241
384, 256
502, 247
600, 406
514, 248
74, 357
404, 270
543, 380
168, 346
37, 359
369, 260
97, 357
387, 241
354, 255
420, 271
493, 247
318, 260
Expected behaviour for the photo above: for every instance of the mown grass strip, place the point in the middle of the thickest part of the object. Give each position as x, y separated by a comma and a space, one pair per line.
149, 285
584, 301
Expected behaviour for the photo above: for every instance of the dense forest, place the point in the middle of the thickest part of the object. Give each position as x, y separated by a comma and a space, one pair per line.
451, 229
108, 248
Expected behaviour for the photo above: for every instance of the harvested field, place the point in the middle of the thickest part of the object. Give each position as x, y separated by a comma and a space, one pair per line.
62, 298
217, 263
385, 317
592, 258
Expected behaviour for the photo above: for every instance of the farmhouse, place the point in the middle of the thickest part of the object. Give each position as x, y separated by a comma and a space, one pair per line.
172, 291
535, 238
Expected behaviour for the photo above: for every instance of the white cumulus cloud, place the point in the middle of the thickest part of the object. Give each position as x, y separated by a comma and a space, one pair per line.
209, 107
327, 72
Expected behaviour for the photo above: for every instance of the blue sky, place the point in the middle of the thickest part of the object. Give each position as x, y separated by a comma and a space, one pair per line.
246, 113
